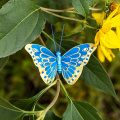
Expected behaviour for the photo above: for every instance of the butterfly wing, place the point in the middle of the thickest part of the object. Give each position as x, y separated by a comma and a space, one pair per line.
45, 60
74, 60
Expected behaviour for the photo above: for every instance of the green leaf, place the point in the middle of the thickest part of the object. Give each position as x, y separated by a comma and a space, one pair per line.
3, 61
80, 111
9, 112
95, 75
91, 2
30, 103
51, 116
82, 6
21, 22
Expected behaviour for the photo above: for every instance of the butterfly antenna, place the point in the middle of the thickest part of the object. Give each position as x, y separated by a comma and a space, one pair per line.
53, 37
61, 37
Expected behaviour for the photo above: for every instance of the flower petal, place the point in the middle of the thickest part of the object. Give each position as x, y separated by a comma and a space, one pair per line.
108, 53
101, 56
97, 38
99, 17
110, 40
115, 19
106, 27
118, 32
115, 24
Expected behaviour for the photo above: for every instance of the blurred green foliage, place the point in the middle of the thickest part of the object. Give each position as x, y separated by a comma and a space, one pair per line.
20, 78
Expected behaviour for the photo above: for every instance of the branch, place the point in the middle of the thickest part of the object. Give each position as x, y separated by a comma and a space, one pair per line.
55, 98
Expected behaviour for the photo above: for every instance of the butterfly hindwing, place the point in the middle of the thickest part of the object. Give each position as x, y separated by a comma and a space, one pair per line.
45, 60
74, 60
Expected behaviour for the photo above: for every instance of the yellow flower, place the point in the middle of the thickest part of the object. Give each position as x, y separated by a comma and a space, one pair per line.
104, 52
107, 38
99, 17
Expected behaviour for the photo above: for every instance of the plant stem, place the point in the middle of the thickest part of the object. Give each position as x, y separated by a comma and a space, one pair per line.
90, 27
65, 10
33, 112
57, 77
54, 10
95, 9
55, 98
41, 40
64, 89
42, 92
47, 35
69, 9
68, 18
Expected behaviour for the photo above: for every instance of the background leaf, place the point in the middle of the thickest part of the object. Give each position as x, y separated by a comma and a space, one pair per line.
80, 111
95, 75
82, 6
21, 21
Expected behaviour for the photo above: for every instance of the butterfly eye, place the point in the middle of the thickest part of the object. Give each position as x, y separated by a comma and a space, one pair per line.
85, 49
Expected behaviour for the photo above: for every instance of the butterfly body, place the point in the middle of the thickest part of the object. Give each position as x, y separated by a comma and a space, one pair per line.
70, 64
59, 65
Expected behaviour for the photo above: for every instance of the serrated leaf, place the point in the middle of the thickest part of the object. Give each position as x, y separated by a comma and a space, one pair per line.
9, 112
80, 111
95, 75
3, 61
82, 6
21, 21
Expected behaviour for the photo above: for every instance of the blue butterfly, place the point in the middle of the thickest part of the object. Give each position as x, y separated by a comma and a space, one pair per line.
70, 64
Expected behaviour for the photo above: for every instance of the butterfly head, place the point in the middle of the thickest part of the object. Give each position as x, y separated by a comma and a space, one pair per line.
58, 53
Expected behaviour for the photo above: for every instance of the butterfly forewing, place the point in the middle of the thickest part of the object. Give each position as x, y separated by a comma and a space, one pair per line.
74, 60
45, 60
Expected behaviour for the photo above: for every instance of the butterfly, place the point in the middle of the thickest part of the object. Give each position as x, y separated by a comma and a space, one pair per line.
70, 64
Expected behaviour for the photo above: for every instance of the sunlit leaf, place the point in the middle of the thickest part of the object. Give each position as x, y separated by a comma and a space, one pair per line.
21, 21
